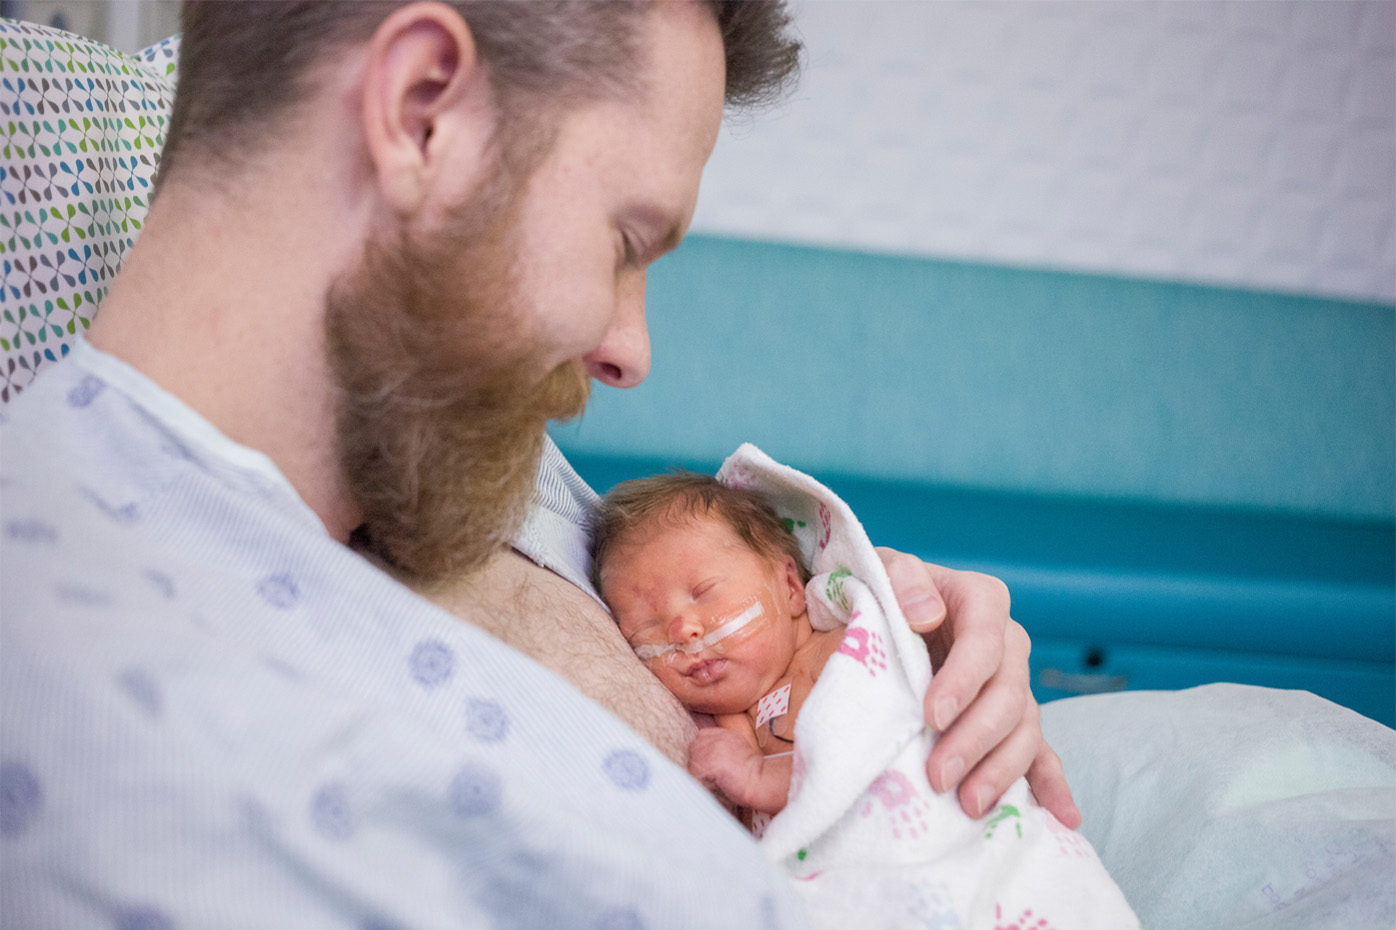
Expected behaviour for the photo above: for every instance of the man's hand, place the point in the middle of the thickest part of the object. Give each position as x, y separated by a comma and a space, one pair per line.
980, 698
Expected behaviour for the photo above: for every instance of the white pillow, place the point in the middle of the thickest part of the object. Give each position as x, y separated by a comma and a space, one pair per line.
1235, 806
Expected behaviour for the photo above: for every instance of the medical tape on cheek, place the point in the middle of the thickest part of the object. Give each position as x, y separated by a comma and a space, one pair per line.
741, 623
727, 632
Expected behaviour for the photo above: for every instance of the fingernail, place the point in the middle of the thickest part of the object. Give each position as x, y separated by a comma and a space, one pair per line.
916, 600
945, 712
950, 773
983, 797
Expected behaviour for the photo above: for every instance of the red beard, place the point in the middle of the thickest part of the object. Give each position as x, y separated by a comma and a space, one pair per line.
441, 413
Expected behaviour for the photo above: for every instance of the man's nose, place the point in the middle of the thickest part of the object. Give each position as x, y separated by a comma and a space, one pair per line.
623, 358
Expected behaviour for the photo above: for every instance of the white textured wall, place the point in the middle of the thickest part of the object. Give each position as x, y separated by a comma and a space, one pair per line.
1246, 142
126, 25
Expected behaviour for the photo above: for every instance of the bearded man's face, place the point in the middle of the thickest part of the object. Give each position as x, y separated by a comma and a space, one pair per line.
443, 403
454, 349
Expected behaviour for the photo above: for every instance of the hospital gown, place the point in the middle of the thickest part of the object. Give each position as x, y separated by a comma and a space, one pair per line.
213, 715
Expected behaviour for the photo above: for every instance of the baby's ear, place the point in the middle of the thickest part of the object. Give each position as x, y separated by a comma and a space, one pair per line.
796, 587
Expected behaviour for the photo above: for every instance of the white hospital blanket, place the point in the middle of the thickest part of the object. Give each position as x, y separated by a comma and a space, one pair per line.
867, 840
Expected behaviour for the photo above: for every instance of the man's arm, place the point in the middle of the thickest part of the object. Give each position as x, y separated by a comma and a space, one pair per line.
980, 697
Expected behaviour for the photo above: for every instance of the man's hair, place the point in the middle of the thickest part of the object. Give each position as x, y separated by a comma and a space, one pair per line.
678, 499
244, 63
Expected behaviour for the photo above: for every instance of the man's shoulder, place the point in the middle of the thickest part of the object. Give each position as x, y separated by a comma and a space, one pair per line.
51, 510
35, 421
78, 423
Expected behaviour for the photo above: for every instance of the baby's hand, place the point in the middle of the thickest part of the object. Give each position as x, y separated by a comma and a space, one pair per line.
723, 760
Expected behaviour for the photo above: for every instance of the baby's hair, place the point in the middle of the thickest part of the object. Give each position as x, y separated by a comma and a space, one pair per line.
677, 499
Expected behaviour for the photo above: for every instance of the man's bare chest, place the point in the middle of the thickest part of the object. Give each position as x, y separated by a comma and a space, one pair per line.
551, 620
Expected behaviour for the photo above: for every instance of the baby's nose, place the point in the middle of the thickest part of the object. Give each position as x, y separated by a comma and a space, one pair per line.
685, 627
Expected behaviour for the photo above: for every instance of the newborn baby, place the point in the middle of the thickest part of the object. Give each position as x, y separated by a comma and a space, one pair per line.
708, 588
709, 581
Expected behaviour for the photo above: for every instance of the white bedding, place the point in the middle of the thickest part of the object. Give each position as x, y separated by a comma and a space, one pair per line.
1236, 806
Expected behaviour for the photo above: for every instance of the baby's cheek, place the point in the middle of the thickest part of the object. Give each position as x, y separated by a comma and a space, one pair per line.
669, 678
765, 656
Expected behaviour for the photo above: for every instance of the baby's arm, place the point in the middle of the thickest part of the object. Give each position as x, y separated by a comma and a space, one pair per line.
725, 757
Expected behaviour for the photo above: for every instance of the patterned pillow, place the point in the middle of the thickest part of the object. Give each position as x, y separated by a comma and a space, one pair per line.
81, 128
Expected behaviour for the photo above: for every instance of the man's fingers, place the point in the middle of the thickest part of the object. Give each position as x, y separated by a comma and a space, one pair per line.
983, 648
994, 720
1048, 782
916, 589
980, 697
1002, 766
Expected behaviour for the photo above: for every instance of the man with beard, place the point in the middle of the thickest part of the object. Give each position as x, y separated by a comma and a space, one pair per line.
390, 242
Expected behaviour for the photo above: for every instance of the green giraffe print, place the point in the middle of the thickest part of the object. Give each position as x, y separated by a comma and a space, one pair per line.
1004, 813
833, 588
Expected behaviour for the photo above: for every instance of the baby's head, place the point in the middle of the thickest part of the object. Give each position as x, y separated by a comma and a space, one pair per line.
706, 585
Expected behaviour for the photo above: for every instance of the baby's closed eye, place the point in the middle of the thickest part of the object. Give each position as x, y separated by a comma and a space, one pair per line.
644, 632
708, 586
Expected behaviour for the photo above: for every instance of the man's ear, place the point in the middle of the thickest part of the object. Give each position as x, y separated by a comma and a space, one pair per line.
794, 588
424, 93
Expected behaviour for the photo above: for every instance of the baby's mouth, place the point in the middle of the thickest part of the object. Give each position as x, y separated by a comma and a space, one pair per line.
707, 671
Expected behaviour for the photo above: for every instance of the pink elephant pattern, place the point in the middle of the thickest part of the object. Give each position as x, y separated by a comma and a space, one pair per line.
1069, 842
826, 526
1027, 920
738, 475
866, 647
897, 797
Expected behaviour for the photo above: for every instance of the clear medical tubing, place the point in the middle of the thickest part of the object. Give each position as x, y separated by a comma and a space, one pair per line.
724, 632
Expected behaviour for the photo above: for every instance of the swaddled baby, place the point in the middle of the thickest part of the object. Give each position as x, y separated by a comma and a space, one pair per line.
709, 588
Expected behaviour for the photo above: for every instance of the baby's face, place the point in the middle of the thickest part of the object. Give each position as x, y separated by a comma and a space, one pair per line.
675, 590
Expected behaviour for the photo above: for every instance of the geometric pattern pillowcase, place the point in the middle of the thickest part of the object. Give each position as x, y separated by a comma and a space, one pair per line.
81, 129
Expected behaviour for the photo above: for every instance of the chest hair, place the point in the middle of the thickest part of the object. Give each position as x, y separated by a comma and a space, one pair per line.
549, 619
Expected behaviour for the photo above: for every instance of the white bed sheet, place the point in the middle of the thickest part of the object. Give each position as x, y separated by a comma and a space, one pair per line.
1236, 806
